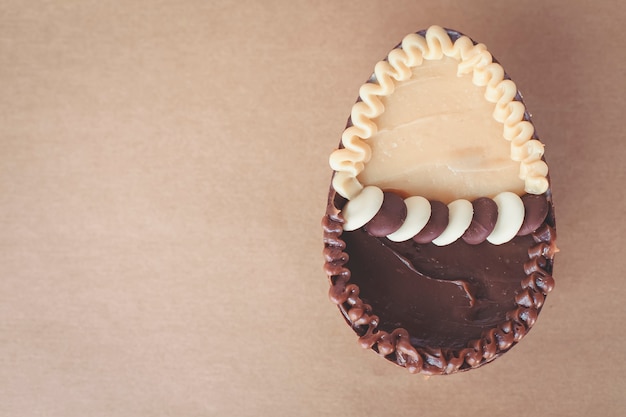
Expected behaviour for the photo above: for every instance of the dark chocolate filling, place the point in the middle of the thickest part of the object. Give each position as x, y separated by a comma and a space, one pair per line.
444, 296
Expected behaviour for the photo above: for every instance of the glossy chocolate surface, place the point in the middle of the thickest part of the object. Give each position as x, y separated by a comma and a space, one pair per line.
444, 296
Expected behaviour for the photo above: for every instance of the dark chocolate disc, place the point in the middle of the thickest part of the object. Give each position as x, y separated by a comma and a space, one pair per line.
390, 216
483, 221
535, 212
436, 224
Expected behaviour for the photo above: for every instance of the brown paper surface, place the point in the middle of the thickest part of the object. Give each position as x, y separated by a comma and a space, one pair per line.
163, 174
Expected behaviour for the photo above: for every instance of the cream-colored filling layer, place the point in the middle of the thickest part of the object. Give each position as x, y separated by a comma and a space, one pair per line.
437, 138
399, 69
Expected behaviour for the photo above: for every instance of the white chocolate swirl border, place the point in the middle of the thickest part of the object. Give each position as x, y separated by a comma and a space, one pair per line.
348, 162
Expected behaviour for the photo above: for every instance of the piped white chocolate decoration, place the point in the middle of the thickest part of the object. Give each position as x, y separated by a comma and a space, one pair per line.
460, 216
418, 213
360, 210
349, 161
510, 218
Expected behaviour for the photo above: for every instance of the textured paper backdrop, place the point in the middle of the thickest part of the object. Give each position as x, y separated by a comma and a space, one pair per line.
163, 173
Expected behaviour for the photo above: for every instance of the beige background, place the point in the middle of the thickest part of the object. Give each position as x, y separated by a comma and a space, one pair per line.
163, 173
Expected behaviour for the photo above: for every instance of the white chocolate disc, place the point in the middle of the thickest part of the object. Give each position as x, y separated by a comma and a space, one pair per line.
417, 215
460, 216
510, 218
362, 208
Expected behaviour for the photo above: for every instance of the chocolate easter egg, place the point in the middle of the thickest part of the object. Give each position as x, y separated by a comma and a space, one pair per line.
439, 233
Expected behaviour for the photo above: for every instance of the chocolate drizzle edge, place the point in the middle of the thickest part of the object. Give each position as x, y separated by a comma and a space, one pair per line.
396, 346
